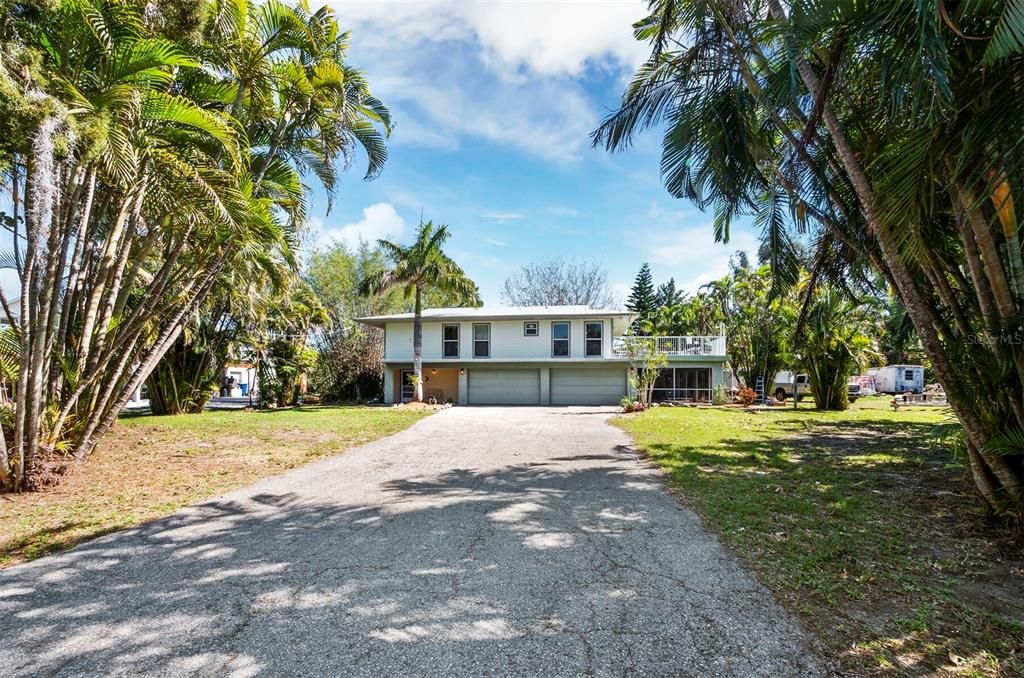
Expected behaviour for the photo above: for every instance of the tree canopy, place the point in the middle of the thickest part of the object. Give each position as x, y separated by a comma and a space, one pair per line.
885, 134
555, 282
148, 151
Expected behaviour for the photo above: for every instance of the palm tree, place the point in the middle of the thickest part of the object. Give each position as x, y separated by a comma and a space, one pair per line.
418, 267
835, 339
284, 78
141, 165
892, 135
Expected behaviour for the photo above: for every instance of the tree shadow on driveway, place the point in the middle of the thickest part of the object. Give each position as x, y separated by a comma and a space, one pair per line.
580, 567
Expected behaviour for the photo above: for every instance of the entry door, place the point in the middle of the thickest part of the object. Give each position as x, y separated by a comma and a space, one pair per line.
408, 390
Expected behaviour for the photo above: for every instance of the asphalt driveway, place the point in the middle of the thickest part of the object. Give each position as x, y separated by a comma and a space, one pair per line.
481, 541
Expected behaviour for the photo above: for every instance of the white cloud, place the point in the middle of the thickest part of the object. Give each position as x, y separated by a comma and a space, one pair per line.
504, 72
380, 221
502, 217
544, 38
495, 242
437, 104
691, 255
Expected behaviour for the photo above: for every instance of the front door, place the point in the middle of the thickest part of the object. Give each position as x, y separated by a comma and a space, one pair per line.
408, 390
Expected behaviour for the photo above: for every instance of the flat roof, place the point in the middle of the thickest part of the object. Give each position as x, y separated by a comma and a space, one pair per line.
498, 313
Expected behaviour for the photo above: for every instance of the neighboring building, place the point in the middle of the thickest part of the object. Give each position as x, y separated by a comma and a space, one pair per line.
538, 355
237, 379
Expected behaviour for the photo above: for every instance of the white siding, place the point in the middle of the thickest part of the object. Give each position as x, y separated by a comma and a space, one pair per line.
507, 341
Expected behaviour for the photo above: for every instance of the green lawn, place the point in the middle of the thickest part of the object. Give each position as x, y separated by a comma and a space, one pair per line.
148, 467
859, 521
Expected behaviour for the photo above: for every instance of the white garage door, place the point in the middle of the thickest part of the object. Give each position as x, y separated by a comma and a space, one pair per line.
594, 386
504, 387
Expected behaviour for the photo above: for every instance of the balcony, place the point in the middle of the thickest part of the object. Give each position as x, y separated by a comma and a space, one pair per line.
676, 347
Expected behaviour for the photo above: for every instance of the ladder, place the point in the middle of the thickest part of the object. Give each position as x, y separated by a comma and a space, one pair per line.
759, 389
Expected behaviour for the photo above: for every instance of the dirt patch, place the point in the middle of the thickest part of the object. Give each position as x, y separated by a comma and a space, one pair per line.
420, 406
974, 568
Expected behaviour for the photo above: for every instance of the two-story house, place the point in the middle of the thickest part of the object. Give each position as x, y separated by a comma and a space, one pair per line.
537, 355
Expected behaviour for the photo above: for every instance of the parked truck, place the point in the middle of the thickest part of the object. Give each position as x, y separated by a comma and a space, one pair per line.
791, 384
786, 383
898, 378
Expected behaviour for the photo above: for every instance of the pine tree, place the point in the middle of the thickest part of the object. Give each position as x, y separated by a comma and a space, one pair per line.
642, 299
668, 295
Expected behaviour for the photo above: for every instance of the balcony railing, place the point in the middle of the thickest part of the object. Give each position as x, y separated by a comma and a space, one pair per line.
675, 346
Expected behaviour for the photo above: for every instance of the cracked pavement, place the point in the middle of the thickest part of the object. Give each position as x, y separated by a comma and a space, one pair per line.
480, 541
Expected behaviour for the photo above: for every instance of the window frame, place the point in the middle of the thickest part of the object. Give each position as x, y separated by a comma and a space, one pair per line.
457, 341
488, 340
587, 340
536, 328
567, 339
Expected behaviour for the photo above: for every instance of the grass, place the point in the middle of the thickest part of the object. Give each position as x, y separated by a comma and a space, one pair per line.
861, 522
148, 467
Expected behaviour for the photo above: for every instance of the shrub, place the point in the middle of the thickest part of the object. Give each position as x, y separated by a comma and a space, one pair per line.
719, 396
746, 396
629, 405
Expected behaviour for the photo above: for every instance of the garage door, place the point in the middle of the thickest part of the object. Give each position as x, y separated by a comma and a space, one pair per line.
578, 386
504, 387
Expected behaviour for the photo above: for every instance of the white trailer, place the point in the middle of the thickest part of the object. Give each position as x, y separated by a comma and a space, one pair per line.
898, 378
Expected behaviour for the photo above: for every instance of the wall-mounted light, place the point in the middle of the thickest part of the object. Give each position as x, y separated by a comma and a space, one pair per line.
462, 371
433, 371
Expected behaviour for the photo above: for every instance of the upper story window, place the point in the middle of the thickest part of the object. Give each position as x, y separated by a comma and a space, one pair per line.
531, 328
450, 341
593, 332
482, 341
560, 340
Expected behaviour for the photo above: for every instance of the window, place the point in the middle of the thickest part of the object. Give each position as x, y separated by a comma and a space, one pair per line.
450, 341
531, 329
593, 332
687, 384
560, 340
482, 341
908, 375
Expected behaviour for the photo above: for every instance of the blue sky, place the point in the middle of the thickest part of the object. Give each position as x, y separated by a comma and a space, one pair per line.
494, 102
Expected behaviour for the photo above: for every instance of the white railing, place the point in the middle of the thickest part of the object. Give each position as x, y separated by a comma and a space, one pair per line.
713, 345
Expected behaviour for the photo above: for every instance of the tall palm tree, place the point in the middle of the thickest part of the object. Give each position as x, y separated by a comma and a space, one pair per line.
892, 134
284, 78
415, 268
142, 163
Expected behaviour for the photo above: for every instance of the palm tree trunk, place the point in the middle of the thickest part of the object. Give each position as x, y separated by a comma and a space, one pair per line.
989, 253
417, 347
975, 428
99, 278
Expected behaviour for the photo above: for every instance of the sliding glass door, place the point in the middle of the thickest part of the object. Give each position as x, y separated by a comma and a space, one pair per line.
685, 384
